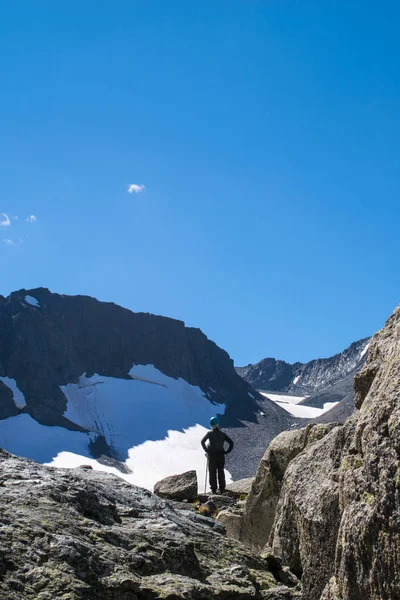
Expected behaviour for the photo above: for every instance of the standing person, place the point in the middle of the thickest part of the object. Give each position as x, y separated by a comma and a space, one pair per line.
215, 452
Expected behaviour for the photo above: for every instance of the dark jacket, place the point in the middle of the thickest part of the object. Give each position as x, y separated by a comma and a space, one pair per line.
216, 440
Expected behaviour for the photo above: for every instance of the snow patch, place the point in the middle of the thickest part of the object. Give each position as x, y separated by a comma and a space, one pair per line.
363, 353
154, 422
296, 379
251, 395
18, 396
282, 399
153, 460
290, 404
24, 436
128, 412
32, 301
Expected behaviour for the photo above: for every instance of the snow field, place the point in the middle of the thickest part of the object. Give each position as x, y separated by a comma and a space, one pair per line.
151, 461
32, 301
290, 404
154, 422
18, 396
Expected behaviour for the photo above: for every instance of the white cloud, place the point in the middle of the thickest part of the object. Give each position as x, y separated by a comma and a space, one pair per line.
134, 188
4, 220
9, 242
16, 218
31, 219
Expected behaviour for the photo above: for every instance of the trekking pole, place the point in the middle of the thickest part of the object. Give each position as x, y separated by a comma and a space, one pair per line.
205, 482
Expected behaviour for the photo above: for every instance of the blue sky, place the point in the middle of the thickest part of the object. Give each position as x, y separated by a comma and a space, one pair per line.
266, 134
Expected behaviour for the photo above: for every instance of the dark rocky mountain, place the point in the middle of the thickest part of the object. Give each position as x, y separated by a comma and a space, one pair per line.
301, 379
48, 341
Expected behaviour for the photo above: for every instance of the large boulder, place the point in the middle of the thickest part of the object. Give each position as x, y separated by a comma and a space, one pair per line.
242, 487
308, 515
260, 508
82, 534
178, 487
337, 522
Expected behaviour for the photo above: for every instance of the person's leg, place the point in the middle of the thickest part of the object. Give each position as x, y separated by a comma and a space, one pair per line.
212, 469
221, 475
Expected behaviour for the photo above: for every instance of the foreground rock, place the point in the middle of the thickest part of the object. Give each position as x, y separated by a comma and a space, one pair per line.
252, 523
178, 487
337, 523
242, 487
82, 534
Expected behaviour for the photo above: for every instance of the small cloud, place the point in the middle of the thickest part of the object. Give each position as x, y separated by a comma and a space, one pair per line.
9, 242
31, 219
4, 220
134, 188
15, 218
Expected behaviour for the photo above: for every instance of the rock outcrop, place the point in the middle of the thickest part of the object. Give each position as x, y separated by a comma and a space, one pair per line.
84, 535
178, 487
337, 522
260, 509
240, 487
252, 524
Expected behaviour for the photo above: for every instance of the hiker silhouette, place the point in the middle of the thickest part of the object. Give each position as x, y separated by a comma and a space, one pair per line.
215, 453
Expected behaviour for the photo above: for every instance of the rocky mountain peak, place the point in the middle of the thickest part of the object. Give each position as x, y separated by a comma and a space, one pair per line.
305, 378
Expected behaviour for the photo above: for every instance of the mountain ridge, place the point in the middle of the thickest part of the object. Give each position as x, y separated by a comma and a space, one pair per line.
56, 350
273, 375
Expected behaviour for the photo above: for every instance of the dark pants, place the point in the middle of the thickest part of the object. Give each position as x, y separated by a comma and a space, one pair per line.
216, 463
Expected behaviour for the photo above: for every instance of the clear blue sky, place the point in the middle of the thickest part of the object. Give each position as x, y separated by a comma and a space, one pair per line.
266, 134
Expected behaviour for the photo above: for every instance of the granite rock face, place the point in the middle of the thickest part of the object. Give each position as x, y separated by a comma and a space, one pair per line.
252, 523
83, 535
261, 505
337, 523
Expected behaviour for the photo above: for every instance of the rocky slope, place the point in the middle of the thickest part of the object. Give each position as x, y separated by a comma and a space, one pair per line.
301, 379
51, 347
83, 535
336, 520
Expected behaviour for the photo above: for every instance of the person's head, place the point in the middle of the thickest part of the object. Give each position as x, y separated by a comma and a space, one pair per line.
214, 422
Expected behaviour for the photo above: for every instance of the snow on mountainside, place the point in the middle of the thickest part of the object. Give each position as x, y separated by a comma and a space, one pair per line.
326, 384
304, 379
90, 379
294, 405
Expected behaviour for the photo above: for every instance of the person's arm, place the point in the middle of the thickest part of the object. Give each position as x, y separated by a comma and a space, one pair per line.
203, 442
230, 442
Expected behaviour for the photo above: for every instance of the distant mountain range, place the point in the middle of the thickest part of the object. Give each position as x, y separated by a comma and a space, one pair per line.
322, 380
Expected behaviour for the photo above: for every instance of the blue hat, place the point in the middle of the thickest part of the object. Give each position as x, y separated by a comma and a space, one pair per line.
214, 422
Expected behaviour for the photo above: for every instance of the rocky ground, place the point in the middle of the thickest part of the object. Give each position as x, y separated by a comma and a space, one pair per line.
81, 534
